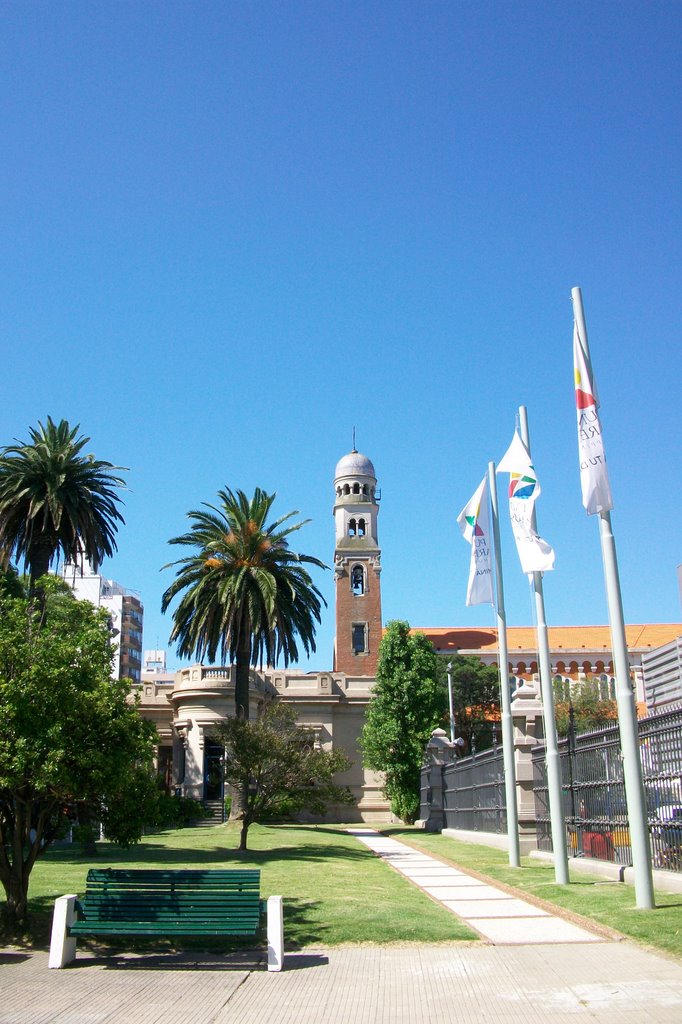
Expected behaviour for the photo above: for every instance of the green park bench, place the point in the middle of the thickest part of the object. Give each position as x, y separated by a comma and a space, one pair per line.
161, 903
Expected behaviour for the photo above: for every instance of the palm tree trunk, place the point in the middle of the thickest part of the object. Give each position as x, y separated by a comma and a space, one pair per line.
242, 671
39, 562
241, 677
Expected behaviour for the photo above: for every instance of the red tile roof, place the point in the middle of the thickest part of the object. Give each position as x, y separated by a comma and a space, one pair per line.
570, 639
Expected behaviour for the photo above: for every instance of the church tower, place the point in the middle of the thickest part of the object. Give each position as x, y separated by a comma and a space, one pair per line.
357, 567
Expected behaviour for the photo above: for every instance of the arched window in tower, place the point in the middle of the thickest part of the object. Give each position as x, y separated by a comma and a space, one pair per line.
361, 527
356, 488
346, 489
352, 528
357, 580
364, 489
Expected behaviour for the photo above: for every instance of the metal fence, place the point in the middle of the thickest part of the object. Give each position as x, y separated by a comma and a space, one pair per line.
474, 792
595, 808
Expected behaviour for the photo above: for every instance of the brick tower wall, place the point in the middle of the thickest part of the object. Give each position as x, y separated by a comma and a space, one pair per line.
352, 609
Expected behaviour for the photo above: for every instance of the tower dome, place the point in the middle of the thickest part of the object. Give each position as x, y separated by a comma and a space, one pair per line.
354, 464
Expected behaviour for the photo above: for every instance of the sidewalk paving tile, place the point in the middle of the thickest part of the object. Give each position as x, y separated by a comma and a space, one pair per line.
505, 907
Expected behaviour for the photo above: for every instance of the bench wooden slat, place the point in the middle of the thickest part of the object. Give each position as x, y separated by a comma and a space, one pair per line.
213, 902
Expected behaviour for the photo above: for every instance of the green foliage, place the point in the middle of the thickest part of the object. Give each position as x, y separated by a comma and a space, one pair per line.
55, 499
590, 708
408, 702
72, 744
276, 764
245, 594
177, 811
475, 698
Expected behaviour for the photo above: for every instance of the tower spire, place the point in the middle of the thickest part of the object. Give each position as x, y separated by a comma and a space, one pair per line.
354, 448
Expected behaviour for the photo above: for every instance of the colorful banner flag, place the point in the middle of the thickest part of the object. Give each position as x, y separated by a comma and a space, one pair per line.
474, 522
594, 475
535, 554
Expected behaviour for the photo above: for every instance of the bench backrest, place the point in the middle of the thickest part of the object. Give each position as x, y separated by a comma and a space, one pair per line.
151, 901
113, 881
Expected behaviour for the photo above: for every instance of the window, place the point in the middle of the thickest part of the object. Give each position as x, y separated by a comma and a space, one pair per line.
352, 527
361, 527
356, 488
359, 637
357, 580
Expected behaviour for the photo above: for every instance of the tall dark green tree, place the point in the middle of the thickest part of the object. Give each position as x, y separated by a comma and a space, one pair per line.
408, 702
54, 499
245, 594
72, 745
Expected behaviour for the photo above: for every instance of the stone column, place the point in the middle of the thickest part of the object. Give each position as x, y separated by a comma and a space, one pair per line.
526, 709
439, 753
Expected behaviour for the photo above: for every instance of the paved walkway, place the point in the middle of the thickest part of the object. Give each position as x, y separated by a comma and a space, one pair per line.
496, 915
572, 977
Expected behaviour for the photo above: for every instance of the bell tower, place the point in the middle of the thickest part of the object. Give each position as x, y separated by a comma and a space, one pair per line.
357, 567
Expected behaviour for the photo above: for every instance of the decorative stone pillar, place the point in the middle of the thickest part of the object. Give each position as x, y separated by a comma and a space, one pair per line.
526, 709
439, 753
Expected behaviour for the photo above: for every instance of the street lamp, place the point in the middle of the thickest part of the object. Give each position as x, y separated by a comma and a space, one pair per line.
452, 709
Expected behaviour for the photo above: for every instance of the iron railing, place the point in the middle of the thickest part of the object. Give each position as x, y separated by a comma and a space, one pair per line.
595, 809
474, 793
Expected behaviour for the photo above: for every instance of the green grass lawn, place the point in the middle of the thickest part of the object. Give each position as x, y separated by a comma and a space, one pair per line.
334, 889
608, 903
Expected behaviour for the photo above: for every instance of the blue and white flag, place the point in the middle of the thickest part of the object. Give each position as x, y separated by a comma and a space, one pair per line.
535, 554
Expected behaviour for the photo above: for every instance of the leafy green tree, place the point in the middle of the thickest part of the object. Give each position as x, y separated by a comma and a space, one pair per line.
275, 762
54, 499
591, 708
72, 745
408, 702
245, 593
475, 698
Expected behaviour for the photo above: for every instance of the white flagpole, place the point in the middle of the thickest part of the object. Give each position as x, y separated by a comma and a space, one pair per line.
505, 699
625, 698
554, 783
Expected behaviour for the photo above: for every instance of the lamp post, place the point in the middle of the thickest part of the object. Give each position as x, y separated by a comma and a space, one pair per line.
452, 708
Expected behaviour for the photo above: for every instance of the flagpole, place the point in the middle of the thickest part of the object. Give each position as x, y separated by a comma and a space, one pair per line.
505, 699
627, 712
554, 782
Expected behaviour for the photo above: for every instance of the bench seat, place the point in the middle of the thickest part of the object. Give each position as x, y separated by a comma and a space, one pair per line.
145, 902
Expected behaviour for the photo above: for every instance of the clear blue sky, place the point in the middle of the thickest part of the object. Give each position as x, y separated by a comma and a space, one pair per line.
232, 231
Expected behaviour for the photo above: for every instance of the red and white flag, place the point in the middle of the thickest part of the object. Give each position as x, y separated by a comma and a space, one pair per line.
594, 475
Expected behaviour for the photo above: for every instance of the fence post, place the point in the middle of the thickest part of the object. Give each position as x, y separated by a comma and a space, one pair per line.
439, 753
526, 709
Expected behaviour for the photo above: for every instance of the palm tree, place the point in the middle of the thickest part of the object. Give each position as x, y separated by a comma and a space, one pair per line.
246, 594
55, 499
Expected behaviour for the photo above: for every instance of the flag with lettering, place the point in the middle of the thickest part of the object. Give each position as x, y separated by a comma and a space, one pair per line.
474, 522
535, 554
594, 475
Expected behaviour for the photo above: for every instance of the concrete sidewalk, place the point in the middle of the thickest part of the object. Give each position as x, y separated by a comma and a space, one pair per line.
494, 913
528, 968
606, 983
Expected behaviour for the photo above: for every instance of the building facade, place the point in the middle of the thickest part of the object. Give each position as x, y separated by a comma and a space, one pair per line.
187, 705
125, 610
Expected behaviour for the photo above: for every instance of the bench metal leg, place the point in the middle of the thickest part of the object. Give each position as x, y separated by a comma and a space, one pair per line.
62, 946
275, 934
